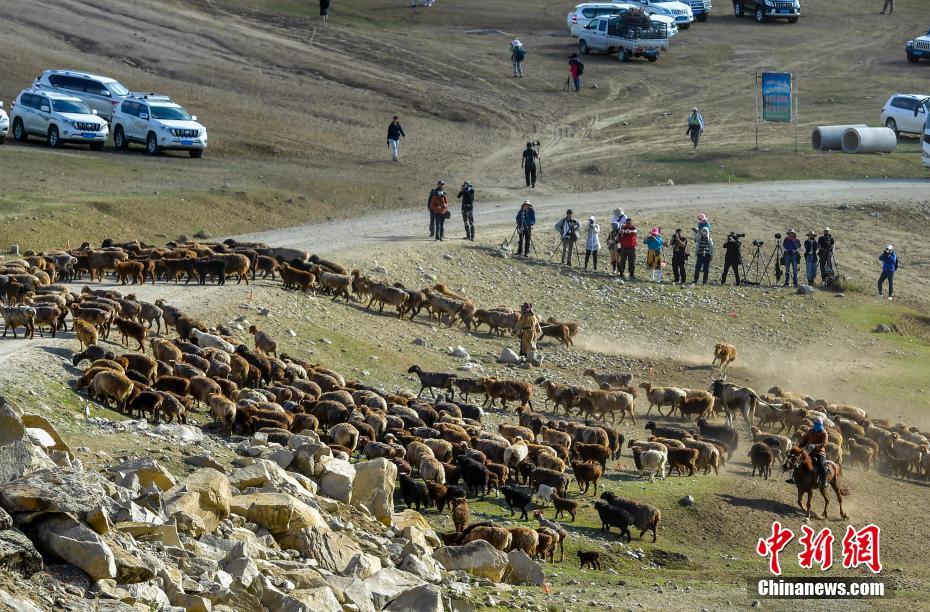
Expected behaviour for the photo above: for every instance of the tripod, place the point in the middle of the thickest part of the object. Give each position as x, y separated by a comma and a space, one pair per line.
758, 275
569, 86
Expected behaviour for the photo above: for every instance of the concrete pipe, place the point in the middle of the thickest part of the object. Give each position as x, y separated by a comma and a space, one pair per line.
869, 140
830, 137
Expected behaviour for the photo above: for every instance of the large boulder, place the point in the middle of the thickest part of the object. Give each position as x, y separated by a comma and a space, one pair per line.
147, 470
333, 551
19, 455
478, 558
78, 545
205, 494
320, 599
373, 488
425, 598
387, 584
524, 570
336, 479
17, 553
8, 603
407, 518
38, 423
66, 490
279, 513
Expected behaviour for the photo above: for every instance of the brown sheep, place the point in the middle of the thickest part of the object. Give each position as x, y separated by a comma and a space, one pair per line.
591, 558
432, 470
559, 332
615, 380
607, 402
295, 278
109, 384
548, 541
222, 410
201, 387
587, 474
86, 333
130, 270
263, 341
550, 462
525, 539
339, 284
725, 353
460, 514
592, 452
236, 263
762, 457
555, 437
562, 505
19, 316
662, 396
862, 454
345, 435
512, 432
383, 294
498, 537
686, 458
131, 329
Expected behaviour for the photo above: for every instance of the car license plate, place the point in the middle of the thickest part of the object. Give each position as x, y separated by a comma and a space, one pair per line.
784, 11
187, 143
88, 135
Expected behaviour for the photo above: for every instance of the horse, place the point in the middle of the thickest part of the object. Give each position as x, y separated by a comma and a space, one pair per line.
805, 475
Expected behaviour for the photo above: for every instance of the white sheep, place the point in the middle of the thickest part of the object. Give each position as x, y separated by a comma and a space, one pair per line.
205, 340
432, 470
651, 461
516, 452
544, 494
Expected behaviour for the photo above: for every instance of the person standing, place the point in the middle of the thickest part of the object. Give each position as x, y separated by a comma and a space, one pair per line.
592, 242
529, 164
569, 231
702, 222
889, 261
324, 8
888, 6
628, 235
526, 219
467, 196
826, 246
529, 330
429, 206
517, 55
810, 256
732, 258
654, 243
613, 245
792, 249
439, 209
575, 70
695, 126
618, 217
703, 253
679, 255
395, 133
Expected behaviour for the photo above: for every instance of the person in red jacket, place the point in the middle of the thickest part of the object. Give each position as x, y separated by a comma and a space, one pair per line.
575, 68
628, 234
439, 207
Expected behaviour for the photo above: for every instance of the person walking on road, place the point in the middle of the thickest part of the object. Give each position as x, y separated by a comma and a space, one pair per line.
526, 219
467, 196
439, 209
395, 133
592, 242
575, 70
889, 261
517, 55
792, 250
695, 126
628, 236
654, 243
703, 253
732, 258
529, 164
826, 247
569, 232
810, 256
679, 255
888, 6
613, 245
429, 206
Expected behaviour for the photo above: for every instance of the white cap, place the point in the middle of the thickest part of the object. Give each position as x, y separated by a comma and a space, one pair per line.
889, 247
526, 201
516, 42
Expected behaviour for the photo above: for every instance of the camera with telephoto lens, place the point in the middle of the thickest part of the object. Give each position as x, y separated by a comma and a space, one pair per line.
757, 243
777, 236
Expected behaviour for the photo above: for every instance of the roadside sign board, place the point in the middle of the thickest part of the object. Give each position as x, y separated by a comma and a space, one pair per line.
776, 96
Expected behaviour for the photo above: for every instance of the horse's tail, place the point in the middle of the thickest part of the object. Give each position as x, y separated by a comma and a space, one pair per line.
844, 491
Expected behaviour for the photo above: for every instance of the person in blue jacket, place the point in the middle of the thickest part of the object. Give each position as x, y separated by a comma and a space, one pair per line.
889, 261
526, 219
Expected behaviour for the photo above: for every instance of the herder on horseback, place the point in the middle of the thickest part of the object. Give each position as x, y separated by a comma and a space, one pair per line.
810, 469
814, 443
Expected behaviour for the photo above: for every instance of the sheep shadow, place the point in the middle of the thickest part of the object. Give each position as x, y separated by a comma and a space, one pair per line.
764, 505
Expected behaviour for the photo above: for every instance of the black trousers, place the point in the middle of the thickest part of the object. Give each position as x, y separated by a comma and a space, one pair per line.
526, 234
530, 173
889, 276
628, 258
727, 266
469, 220
588, 254
432, 223
678, 266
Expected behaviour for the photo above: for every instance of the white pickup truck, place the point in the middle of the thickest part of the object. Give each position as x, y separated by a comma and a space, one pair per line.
679, 11
628, 38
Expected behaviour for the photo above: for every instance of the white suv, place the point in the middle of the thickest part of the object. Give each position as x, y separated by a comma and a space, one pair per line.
159, 124
58, 118
100, 93
679, 11
4, 124
899, 113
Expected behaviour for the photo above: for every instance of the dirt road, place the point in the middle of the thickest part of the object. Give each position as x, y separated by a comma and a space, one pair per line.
410, 225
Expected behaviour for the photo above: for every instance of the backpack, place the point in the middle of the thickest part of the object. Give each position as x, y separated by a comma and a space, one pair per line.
518, 54
580, 68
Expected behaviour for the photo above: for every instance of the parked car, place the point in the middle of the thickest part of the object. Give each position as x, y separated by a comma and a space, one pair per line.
700, 9
58, 118
906, 113
925, 144
100, 93
918, 48
763, 10
4, 123
582, 15
627, 37
159, 124
679, 11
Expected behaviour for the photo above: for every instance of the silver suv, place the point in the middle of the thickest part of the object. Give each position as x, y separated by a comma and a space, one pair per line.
58, 118
4, 124
100, 93
159, 124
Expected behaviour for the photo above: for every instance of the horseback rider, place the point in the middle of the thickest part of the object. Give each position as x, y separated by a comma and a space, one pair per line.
814, 443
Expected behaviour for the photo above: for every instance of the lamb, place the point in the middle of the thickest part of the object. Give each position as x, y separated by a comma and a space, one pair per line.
645, 517
222, 410
413, 492
432, 380
725, 353
19, 316
266, 265
662, 396
726, 434
263, 341
562, 505
592, 452
686, 458
708, 455
109, 384
615, 380
150, 314
762, 457
592, 558
508, 390
86, 334
779, 443
460, 514
48, 315
556, 528
587, 474
614, 516
652, 461
862, 454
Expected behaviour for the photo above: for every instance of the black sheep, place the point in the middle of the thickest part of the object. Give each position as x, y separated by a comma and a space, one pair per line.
516, 498
612, 516
727, 435
432, 380
413, 492
92, 354
474, 474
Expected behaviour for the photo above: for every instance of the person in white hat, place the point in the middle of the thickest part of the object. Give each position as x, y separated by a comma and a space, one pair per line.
826, 246
889, 261
695, 126
517, 55
592, 242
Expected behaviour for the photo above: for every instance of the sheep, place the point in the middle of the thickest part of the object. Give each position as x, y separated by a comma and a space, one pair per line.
109, 384
496, 320
266, 265
200, 388
512, 432
778, 442
146, 402
555, 437
668, 432
604, 402
263, 341
329, 265
562, 505
557, 529
697, 405
460, 514
130, 269
726, 434
725, 353
86, 334
686, 458
525, 539
387, 294
863, 454
19, 316
339, 284
49, 315
613, 379
222, 410
559, 332
508, 390
648, 445
645, 517
554, 479
587, 474
205, 340
592, 452
468, 386
131, 329
91, 353
346, 435
431, 469
498, 537
550, 462
762, 458
413, 492
295, 278
651, 461
235, 264
668, 442
442, 449
474, 474
662, 396
613, 516
516, 452
175, 384
432, 380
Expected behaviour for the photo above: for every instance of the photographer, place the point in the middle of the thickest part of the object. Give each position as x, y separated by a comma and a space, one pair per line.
467, 195
792, 249
529, 164
439, 210
569, 231
703, 252
679, 255
826, 246
628, 234
526, 219
654, 243
889, 266
592, 242
613, 245
810, 256
733, 257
